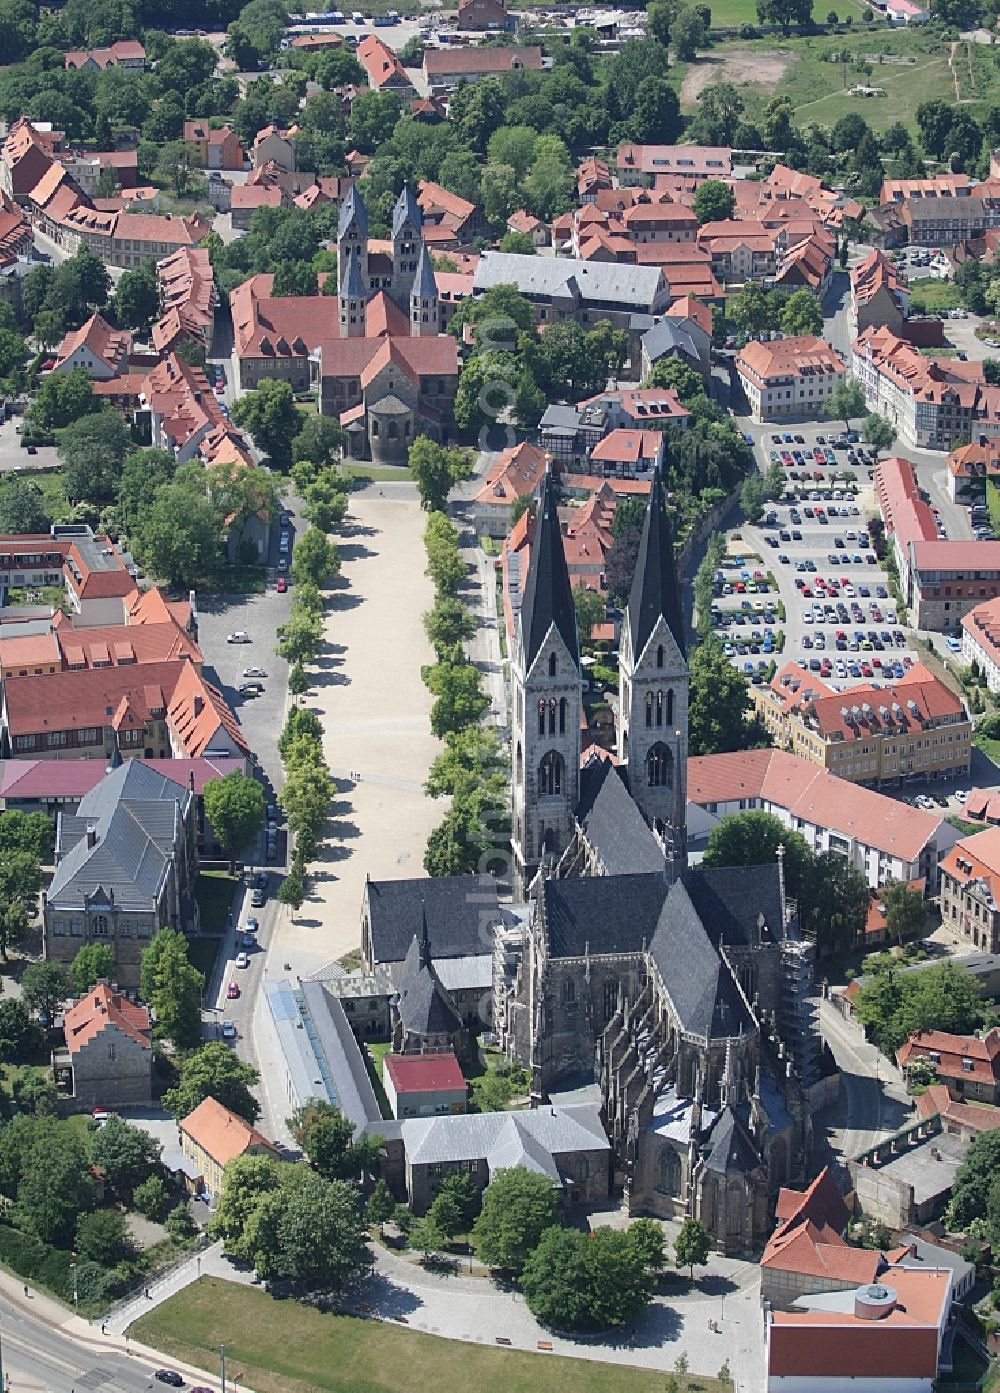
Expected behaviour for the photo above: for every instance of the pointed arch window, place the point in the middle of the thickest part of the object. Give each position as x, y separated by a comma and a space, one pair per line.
562, 715
551, 775
552, 715
660, 704
659, 655
649, 710
659, 766
670, 707
552, 665
541, 715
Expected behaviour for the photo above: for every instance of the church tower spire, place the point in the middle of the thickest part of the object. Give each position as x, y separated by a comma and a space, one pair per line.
545, 671
424, 298
351, 297
407, 222
653, 716
352, 234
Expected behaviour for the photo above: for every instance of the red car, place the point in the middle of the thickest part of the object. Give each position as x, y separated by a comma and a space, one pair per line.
233, 990
281, 585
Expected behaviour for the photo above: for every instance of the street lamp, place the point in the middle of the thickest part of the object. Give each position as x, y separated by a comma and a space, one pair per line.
76, 1289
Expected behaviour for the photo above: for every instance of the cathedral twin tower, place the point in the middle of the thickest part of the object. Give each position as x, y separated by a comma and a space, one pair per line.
548, 695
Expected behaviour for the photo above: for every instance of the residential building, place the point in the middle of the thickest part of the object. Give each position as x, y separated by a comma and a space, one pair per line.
482, 15
447, 212
445, 68
54, 644
807, 1251
950, 579
272, 145
159, 710
879, 297
102, 351
913, 729
882, 838
212, 1136
935, 187
566, 1144
684, 332
789, 378
981, 640
886, 1335
214, 147
571, 433
124, 53
181, 407
529, 226
188, 300
515, 473
969, 468
385, 72
968, 1064
86, 169
125, 866
25, 156
934, 403
278, 336
642, 164
743, 250
627, 454
107, 1058
970, 889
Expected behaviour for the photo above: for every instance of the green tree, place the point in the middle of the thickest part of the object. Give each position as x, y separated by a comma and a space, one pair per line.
802, 314
20, 882
844, 402
714, 201
93, 962
20, 1037
213, 1071
752, 309
381, 1205
126, 1155
137, 297
55, 1188
327, 1138
688, 33
753, 495
172, 987
45, 986
878, 432
180, 538
647, 1237
945, 997
235, 807
300, 638
246, 1182
752, 839
905, 910
318, 440
692, 1245
321, 1235
270, 415
23, 508
436, 470
679, 377
585, 1281
719, 701
448, 623
784, 12
589, 608
464, 1195
102, 1237
91, 451
518, 1206
457, 686
315, 558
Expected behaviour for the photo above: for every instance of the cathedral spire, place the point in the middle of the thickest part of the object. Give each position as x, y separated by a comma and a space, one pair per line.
425, 939
406, 211
548, 596
654, 586
352, 210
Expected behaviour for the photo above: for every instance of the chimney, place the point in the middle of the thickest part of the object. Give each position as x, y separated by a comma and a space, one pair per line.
91, 838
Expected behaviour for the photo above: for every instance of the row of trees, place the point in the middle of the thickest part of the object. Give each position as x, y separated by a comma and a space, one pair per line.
305, 797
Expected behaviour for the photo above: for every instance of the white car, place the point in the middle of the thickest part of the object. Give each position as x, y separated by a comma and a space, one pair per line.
242, 960
254, 672
961, 794
240, 636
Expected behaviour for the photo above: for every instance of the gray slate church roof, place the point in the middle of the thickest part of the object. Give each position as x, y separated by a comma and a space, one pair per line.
461, 911
612, 823
548, 596
424, 1006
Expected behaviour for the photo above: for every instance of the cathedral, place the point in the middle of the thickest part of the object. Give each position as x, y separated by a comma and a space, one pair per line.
679, 995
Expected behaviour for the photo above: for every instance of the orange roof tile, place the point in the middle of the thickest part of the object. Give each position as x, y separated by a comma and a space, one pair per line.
221, 1133
100, 1008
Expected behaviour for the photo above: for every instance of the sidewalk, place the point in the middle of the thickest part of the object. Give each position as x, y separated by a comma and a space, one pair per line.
209, 1262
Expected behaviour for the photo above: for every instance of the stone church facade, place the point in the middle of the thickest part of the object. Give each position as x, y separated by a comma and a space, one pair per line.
681, 994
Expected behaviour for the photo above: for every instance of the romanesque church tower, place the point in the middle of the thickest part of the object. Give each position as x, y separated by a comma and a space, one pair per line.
352, 234
545, 674
407, 220
653, 718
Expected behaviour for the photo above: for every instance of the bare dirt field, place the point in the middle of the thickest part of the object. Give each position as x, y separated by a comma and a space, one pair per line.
738, 66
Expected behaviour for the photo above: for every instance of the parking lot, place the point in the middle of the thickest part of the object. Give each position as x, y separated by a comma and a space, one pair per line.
818, 595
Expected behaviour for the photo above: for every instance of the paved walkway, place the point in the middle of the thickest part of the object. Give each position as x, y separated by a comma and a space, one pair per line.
377, 740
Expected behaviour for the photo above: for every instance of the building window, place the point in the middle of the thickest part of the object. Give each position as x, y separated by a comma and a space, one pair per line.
659, 766
101, 926
541, 716
569, 990
552, 665
670, 1172
76, 928
659, 655
551, 775
649, 709
562, 715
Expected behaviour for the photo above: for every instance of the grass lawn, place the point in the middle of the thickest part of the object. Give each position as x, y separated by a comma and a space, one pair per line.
215, 891
990, 748
281, 1347
52, 485
375, 473
929, 295
375, 1053
818, 88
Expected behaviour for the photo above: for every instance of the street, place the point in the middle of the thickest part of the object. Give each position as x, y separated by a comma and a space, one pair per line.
874, 1102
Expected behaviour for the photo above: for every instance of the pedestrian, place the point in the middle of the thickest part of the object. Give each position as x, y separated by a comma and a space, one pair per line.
148, 1297
104, 1327
26, 1289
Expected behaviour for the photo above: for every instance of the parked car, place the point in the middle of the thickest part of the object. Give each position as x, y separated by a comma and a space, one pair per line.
251, 689
281, 585
239, 636
233, 990
254, 672
170, 1376
242, 960
228, 1030
259, 899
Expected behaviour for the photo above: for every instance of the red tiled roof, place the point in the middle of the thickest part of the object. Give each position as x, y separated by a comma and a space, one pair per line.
219, 1132
442, 61
954, 1051
102, 1007
425, 1073
974, 1117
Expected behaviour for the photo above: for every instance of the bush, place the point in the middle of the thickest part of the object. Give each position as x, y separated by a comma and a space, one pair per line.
152, 1198
180, 1225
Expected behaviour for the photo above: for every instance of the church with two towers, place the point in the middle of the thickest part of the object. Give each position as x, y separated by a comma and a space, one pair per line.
679, 995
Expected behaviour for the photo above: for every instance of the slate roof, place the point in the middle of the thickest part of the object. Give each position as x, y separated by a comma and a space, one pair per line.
731, 900
424, 285
610, 914
137, 816
352, 287
504, 1139
667, 335
613, 824
623, 287
654, 584
353, 207
729, 1147
548, 597
461, 911
423, 1004
407, 210
700, 986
